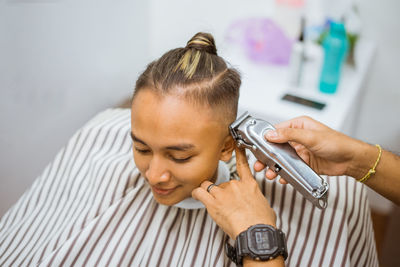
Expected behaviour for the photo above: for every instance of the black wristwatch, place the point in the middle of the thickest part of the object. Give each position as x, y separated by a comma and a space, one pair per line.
260, 242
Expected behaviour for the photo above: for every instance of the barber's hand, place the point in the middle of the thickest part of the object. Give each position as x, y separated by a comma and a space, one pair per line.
325, 150
236, 205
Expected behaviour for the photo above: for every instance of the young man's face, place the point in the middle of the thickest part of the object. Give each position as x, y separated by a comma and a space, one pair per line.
176, 145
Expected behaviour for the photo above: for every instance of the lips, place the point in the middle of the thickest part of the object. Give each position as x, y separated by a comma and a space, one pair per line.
163, 191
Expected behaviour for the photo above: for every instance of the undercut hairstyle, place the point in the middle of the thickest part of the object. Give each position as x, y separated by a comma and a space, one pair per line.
197, 74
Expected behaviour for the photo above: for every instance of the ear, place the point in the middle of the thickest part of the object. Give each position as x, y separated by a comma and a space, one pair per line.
227, 148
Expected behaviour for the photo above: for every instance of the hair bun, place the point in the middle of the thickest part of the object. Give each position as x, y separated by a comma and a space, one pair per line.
203, 42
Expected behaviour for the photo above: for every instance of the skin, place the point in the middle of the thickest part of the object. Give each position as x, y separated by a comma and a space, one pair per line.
159, 123
176, 145
333, 153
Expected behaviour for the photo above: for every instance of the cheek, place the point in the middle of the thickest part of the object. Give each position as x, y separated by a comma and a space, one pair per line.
197, 171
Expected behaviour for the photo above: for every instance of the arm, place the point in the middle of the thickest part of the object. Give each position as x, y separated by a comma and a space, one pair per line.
332, 153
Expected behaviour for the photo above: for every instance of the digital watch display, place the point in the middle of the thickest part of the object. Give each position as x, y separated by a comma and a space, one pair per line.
261, 242
262, 239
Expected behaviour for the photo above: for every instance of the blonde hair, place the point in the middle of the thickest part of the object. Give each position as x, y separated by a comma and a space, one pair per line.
197, 73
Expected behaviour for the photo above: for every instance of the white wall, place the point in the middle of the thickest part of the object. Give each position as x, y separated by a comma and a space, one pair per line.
61, 62
174, 22
379, 121
379, 118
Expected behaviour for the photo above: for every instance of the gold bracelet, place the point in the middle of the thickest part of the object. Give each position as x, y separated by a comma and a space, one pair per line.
372, 170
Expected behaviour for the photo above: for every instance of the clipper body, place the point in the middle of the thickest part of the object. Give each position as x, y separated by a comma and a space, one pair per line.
249, 132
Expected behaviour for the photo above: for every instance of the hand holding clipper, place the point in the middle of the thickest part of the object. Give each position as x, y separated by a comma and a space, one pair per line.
249, 132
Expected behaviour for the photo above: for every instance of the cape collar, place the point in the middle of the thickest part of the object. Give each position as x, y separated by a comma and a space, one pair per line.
222, 177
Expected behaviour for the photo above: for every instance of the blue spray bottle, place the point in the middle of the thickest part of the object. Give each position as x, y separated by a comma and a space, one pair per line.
335, 46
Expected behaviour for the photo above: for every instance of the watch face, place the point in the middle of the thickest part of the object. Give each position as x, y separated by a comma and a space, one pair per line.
262, 241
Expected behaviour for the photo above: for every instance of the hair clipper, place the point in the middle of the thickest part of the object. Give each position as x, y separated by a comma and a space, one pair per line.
248, 132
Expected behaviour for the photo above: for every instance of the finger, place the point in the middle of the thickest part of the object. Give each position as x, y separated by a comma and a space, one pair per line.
270, 174
259, 166
303, 122
213, 190
203, 196
242, 166
305, 137
293, 123
282, 181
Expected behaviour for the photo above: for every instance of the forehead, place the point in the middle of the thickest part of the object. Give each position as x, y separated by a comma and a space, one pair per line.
165, 120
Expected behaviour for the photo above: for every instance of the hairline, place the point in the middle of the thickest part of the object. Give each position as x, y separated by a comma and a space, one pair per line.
185, 96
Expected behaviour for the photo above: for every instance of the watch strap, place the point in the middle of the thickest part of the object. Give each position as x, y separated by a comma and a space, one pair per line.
242, 249
281, 244
231, 253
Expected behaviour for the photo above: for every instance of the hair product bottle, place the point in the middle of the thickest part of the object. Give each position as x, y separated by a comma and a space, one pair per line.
335, 47
297, 58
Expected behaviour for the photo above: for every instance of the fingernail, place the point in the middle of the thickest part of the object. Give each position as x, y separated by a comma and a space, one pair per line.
271, 134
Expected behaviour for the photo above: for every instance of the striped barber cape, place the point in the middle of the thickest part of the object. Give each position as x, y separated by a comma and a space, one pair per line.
91, 207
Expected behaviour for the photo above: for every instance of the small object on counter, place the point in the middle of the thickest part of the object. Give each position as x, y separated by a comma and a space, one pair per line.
304, 101
335, 46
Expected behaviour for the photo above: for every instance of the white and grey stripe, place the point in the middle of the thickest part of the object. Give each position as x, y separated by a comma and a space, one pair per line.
91, 207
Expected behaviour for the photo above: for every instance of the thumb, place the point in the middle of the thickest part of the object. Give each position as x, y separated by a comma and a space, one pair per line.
308, 138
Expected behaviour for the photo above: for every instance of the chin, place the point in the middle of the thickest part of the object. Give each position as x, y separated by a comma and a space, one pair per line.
167, 201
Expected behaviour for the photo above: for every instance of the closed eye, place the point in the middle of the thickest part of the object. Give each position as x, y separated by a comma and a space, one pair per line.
178, 160
142, 151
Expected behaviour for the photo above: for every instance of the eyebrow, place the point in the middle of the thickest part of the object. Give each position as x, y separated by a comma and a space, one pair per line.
178, 147
134, 138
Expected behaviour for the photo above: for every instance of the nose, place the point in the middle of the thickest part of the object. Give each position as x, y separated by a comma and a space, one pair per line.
157, 172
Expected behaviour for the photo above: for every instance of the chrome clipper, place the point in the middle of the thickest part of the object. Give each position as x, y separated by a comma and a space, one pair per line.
249, 132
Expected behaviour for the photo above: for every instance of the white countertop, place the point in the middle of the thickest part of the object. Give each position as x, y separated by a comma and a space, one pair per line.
264, 85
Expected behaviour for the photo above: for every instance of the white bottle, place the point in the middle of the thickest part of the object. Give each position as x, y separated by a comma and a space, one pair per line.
297, 58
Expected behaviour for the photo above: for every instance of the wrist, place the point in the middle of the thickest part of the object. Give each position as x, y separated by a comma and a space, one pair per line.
249, 262
364, 158
259, 245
